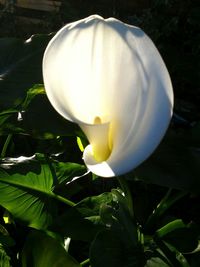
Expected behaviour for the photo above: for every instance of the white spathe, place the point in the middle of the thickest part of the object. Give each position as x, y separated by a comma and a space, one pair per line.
109, 78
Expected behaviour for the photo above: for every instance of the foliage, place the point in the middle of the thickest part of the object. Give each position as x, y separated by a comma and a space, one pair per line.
52, 211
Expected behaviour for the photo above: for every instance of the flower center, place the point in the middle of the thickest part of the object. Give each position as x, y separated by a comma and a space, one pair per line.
98, 136
97, 120
100, 148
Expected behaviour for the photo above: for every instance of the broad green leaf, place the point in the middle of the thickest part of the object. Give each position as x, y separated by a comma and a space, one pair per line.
170, 227
24, 119
184, 240
155, 257
28, 196
9, 122
37, 89
74, 225
156, 262
4, 258
117, 216
4, 115
41, 250
83, 221
20, 67
174, 257
183, 237
65, 171
26, 188
41, 120
20, 70
68, 175
90, 206
93, 214
6, 240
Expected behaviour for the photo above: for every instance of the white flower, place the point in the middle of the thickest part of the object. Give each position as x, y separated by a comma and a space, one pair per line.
109, 78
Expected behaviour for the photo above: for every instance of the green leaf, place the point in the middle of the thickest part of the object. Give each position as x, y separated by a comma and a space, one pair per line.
41, 250
20, 70
156, 262
65, 171
20, 67
28, 194
116, 215
21, 90
181, 236
45, 122
37, 89
83, 221
74, 225
174, 257
4, 258
90, 206
5, 239
9, 122
171, 226
24, 119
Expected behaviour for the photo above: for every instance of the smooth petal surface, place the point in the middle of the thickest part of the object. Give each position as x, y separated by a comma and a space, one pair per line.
109, 78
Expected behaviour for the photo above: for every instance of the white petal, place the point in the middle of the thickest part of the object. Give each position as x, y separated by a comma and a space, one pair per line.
97, 68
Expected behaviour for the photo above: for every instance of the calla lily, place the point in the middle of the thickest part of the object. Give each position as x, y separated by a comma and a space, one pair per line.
109, 78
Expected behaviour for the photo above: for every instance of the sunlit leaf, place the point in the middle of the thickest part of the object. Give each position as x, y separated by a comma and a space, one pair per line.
4, 258
65, 171
68, 176
28, 194
80, 145
41, 250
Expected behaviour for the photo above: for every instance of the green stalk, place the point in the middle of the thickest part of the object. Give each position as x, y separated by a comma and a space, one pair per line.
6, 144
38, 190
163, 206
64, 200
170, 255
55, 196
83, 263
125, 188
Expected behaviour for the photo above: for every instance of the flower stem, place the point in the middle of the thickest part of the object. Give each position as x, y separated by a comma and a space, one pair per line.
5, 147
164, 205
53, 195
171, 255
83, 263
64, 200
125, 188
